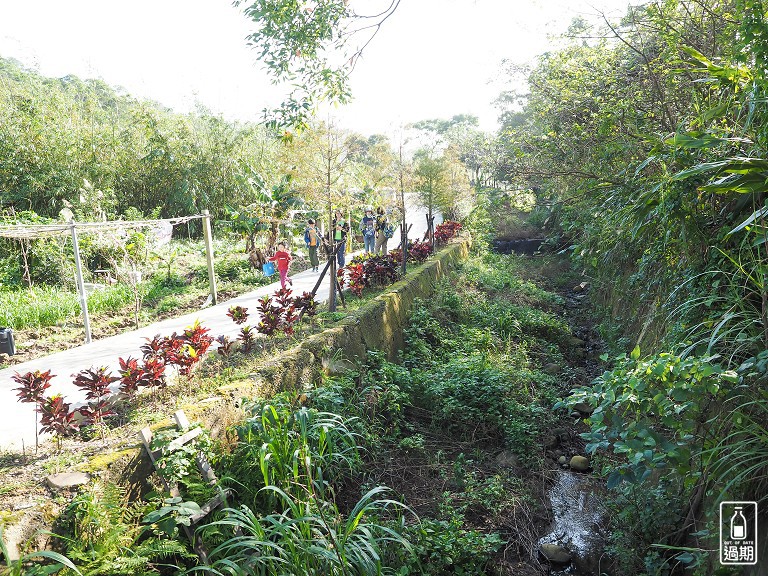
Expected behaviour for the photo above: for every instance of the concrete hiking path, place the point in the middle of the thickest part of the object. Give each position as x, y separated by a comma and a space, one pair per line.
17, 419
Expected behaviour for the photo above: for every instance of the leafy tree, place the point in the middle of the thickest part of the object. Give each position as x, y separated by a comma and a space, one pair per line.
314, 46
431, 181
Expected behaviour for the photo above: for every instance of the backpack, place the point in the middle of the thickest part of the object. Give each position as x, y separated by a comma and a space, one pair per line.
389, 231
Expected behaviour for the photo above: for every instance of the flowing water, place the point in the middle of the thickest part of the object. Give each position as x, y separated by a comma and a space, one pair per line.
578, 516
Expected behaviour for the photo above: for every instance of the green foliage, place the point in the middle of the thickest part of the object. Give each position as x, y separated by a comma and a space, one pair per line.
48, 306
108, 154
178, 464
295, 43
446, 547
107, 538
738, 460
653, 412
173, 513
289, 448
639, 514
308, 537
30, 565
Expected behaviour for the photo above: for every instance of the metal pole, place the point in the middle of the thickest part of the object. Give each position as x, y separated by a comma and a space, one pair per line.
209, 255
80, 284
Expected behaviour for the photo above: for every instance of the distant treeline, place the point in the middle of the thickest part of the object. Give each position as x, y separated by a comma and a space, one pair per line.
67, 142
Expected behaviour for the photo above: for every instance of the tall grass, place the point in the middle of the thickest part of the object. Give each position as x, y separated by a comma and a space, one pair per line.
47, 306
310, 536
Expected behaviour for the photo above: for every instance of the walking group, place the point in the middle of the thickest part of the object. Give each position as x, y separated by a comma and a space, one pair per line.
375, 230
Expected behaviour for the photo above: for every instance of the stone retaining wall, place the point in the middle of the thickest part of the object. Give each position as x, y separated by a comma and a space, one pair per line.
378, 325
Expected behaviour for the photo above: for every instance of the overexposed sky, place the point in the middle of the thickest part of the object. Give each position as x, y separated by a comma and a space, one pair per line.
431, 59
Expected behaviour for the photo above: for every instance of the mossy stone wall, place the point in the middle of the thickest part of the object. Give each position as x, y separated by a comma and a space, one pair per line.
376, 326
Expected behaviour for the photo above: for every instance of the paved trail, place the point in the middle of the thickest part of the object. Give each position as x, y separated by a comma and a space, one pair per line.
17, 419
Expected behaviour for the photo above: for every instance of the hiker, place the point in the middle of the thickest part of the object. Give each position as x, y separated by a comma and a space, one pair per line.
368, 228
339, 229
312, 239
383, 231
283, 259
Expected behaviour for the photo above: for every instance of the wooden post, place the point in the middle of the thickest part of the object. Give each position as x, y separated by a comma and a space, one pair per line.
80, 284
332, 287
209, 255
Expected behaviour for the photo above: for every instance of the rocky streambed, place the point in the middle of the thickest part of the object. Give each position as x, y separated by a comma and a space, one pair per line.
574, 544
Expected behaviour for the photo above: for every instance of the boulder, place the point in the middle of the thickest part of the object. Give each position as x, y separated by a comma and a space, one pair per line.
551, 368
579, 463
508, 459
555, 554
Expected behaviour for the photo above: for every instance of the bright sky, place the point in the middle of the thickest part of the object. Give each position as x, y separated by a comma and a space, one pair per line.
431, 59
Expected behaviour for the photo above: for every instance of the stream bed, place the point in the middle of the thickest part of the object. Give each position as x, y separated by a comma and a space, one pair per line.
578, 515
523, 246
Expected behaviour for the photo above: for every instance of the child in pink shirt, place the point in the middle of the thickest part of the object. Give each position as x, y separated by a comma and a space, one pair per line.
283, 259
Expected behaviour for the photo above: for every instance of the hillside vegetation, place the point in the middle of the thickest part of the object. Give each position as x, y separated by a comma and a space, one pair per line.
647, 141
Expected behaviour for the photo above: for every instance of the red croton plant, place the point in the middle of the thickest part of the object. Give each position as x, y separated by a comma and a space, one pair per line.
32, 387
56, 418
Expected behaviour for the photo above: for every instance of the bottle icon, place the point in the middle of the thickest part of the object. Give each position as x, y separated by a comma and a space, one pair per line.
738, 525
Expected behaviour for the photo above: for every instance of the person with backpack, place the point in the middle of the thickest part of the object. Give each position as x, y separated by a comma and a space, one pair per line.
384, 231
368, 228
312, 240
339, 230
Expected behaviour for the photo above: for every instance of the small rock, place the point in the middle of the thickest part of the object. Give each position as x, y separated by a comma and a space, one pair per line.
576, 342
581, 287
579, 463
23, 506
562, 460
340, 367
583, 408
508, 459
551, 441
555, 554
67, 480
551, 368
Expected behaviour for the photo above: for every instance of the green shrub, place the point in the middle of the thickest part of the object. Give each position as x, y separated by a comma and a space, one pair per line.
445, 547
51, 263
653, 412
310, 536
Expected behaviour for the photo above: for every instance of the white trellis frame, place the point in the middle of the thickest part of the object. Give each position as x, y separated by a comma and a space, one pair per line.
38, 231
